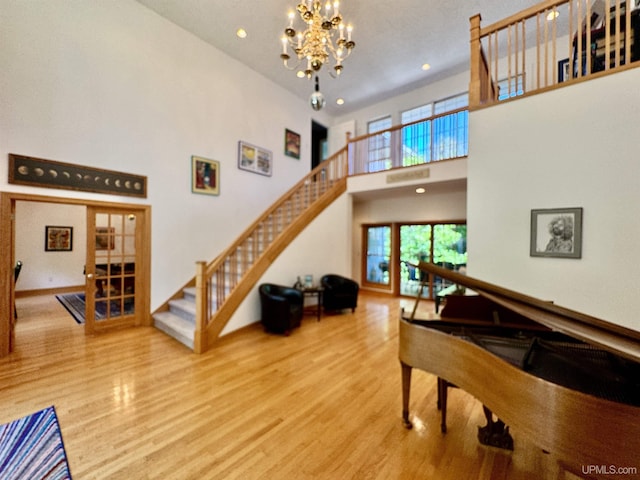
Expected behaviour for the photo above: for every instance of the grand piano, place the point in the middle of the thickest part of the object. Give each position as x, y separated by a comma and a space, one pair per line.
567, 381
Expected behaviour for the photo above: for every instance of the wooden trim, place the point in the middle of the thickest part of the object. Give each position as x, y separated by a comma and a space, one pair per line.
49, 291
7, 252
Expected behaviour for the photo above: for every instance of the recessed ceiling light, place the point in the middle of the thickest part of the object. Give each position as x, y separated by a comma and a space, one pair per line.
420, 190
241, 33
553, 14
340, 101
426, 67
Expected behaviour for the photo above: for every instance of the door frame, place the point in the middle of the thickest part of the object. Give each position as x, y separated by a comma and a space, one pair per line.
7, 256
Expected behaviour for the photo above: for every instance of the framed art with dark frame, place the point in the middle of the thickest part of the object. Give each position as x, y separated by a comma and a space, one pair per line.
58, 239
556, 232
291, 144
205, 176
254, 159
563, 70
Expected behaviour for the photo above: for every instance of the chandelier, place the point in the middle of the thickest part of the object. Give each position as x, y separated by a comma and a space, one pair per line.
324, 37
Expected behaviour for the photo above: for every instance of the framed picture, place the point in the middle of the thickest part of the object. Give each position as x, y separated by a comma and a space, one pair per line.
308, 281
105, 238
58, 239
563, 70
205, 176
556, 232
254, 159
291, 144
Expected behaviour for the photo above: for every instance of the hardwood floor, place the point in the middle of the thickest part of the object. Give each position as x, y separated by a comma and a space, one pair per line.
323, 403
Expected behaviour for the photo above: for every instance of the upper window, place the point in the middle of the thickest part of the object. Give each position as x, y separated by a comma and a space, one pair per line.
417, 113
437, 139
379, 145
511, 87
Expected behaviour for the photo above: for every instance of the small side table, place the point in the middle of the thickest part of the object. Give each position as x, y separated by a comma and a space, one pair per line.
314, 292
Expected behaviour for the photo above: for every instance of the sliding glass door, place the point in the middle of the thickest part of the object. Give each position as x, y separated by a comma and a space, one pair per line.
393, 250
377, 261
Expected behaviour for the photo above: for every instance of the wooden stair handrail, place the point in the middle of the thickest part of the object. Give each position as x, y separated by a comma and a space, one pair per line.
314, 193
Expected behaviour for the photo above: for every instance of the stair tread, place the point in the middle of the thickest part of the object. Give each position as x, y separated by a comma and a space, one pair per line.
175, 326
184, 304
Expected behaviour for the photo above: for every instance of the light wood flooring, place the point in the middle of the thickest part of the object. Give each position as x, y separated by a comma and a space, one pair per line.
323, 403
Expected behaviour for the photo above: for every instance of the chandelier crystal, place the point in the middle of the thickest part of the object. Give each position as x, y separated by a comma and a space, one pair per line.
325, 37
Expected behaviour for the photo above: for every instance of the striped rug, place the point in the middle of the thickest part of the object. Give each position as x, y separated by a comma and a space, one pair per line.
31, 448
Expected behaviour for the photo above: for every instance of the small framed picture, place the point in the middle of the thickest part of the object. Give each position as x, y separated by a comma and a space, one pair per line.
105, 238
308, 281
205, 176
58, 239
556, 232
563, 70
254, 159
291, 144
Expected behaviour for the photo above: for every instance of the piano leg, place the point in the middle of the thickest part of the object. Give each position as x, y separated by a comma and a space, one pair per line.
406, 391
494, 433
442, 403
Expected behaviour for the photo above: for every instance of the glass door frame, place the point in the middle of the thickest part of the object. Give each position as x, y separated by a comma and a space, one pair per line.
108, 240
394, 267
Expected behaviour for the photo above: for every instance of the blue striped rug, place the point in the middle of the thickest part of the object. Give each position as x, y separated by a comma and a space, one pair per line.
31, 448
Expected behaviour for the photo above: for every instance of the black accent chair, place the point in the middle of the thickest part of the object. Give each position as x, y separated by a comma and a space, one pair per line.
339, 292
281, 307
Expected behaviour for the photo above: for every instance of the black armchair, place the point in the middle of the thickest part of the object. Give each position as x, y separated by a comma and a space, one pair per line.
281, 307
339, 292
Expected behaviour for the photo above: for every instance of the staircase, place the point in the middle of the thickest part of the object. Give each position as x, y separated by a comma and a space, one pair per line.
198, 312
179, 321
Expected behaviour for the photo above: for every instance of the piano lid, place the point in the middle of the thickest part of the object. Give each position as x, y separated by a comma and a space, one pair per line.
595, 331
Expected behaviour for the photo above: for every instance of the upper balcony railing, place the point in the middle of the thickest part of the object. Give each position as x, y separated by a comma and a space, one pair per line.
438, 137
552, 43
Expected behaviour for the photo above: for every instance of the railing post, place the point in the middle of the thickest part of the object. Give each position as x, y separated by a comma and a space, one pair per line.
475, 81
199, 340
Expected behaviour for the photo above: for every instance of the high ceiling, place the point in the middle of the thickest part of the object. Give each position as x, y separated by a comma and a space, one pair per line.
393, 38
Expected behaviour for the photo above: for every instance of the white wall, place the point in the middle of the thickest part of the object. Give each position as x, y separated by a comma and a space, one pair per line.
49, 269
323, 247
396, 105
572, 147
115, 86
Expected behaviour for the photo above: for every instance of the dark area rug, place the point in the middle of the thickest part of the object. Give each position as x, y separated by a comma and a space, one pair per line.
32, 448
75, 305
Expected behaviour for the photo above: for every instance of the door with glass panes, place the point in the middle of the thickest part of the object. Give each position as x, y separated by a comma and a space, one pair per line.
115, 275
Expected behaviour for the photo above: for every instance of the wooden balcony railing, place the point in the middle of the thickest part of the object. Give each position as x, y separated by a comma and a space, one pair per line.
551, 44
224, 283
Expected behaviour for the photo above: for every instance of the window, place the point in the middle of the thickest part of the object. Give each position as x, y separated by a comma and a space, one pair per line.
511, 87
451, 132
378, 247
438, 139
379, 150
445, 243
416, 138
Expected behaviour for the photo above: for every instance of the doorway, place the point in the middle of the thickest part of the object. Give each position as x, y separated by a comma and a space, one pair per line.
137, 283
318, 144
391, 251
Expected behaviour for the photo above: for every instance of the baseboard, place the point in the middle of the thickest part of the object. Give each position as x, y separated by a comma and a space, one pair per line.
48, 291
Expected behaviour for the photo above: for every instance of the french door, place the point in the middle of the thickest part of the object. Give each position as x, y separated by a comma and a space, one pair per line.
393, 249
115, 271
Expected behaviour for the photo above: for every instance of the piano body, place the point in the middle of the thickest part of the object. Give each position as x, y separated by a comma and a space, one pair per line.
567, 381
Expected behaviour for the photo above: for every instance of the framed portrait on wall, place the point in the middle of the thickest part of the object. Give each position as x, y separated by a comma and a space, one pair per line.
254, 159
58, 239
291, 144
556, 232
205, 176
